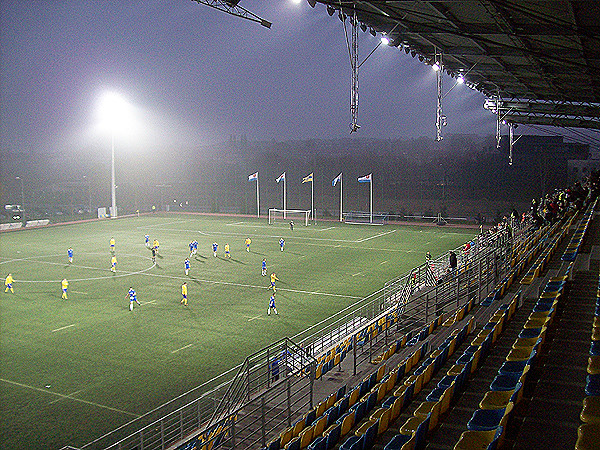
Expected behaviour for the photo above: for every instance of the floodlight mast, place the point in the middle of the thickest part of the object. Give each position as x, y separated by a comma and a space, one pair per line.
113, 192
231, 7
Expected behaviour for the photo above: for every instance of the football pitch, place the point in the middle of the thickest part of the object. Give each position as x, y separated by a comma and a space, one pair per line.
72, 370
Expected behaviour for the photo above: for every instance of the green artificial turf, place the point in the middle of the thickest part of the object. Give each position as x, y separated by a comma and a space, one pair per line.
72, 370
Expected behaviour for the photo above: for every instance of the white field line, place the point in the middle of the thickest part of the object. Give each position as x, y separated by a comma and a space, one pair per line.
68, 395
79, 292
376, 236
46, 391
119, 274
328, 228
236, 223
382, 262
64, 328
227, 283
250, 319
357, 274
182, 348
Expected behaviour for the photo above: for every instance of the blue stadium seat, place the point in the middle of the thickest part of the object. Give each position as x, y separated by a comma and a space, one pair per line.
294, 444
360, 409
489, 419
370, 435
274, 445
353, 443
398, 441
592, 385
332, 415
319, 443
310, 417
333, 435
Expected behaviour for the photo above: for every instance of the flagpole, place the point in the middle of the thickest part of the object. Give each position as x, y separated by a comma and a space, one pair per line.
284, 208
257, 200
341, 197
312, 198
371, 183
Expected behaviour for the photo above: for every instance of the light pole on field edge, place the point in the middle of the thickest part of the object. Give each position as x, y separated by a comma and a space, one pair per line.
22, 197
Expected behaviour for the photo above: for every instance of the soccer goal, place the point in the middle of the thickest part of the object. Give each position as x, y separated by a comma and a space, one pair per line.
365, 218
288, 215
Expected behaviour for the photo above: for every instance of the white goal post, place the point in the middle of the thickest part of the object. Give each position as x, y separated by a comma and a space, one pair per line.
287, 215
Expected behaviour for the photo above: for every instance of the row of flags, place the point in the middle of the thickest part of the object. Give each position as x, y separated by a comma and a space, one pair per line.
310, 177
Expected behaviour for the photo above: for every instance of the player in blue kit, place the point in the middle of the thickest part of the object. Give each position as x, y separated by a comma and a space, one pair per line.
215, 247
194, 247
132, 298
272, 305
281, 243
70, 254
191, 246
147, 240
264, 267
186, 264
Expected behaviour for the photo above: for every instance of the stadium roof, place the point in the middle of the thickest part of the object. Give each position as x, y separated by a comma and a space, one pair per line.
538, 60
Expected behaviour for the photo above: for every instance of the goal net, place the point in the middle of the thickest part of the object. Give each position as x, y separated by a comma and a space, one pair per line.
289, 215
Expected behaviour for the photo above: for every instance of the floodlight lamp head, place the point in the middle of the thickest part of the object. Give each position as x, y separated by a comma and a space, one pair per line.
460, 79
385, 40
114, 109
435, 67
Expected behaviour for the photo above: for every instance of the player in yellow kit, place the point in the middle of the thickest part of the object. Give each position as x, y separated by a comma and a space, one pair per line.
65, 285
273, 280
8, 282
248, 242
184, 294
112, 244
113, 263
227, 254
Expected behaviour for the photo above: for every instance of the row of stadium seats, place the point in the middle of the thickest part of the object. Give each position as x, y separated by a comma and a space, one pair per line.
412, 433
393, 400
323, 426
446, 320
437, 402
335, 355
555, 236
373, 330
588, 434
573, 247
487, 425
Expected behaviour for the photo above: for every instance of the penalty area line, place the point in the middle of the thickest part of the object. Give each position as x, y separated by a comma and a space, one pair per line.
376, 236
64, 328
46, 391
182, 348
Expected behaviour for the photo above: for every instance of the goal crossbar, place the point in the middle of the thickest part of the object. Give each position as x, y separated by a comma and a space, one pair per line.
276, 214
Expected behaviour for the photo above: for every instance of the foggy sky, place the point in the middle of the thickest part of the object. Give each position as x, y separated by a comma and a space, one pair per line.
197, 76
